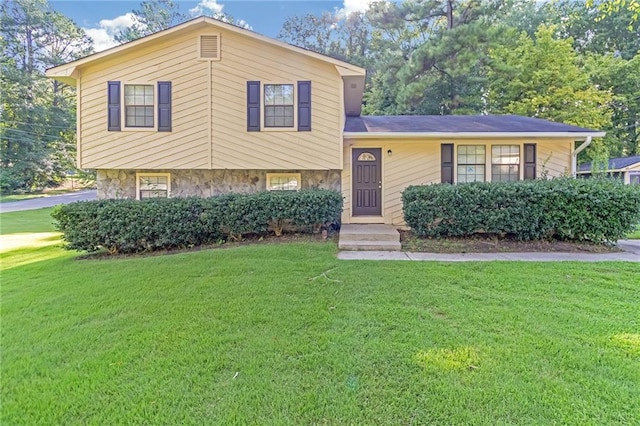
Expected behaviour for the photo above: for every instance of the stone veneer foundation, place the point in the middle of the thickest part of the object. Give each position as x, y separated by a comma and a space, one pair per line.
206, 183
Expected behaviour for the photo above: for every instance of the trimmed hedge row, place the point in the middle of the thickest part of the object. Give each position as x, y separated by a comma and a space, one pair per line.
597, 210
129, 226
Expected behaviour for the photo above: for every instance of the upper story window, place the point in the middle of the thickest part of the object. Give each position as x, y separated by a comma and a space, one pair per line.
471, 163
142, 107
138, 105
278, 105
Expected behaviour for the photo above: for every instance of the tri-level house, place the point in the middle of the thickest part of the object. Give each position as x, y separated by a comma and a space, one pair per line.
206, 108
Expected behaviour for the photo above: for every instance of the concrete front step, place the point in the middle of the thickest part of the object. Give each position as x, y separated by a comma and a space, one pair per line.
369, 245
369, 237
369, 233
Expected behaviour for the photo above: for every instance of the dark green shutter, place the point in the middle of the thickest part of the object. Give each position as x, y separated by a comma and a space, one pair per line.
446, 155
304, 106
253, 106
113, 106
164, 106
529, 160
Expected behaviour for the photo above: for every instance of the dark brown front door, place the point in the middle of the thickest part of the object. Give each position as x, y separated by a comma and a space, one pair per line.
367, 182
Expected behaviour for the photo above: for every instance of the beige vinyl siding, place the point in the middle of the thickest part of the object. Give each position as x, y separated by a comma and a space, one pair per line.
209, 129
234, 148
410, 163
417, 162
186, 147
554, 158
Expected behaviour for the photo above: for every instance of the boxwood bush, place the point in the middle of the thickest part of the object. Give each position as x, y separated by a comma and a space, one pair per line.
597, 210
129, 226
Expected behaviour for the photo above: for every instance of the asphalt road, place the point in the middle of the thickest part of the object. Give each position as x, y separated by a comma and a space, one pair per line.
49, 201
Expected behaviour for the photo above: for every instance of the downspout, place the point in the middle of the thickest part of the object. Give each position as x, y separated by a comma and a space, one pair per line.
574, 155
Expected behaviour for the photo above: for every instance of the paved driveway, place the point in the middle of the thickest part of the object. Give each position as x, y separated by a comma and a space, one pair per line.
50, 201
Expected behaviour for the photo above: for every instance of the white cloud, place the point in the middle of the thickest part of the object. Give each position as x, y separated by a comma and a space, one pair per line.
356, 6
214, 9
207, 7
350, 6
103, 36
243, 24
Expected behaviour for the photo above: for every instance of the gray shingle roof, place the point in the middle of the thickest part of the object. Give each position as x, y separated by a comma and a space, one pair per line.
457, 124
614, 163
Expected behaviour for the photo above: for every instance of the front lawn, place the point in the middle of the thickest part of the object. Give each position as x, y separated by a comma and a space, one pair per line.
635, 235
287, 334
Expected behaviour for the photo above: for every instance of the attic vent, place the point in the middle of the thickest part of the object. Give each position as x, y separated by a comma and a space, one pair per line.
210, 47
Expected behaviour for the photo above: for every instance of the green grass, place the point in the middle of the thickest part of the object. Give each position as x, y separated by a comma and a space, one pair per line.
18, 197
635, 235
287, 334
28, 221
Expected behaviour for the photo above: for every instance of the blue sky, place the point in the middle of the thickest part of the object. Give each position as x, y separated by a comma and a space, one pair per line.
103, 18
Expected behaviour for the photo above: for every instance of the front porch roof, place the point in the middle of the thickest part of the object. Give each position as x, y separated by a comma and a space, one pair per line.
615, 164
460, 126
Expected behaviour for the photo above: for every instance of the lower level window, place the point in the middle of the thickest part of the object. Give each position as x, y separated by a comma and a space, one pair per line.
153, 185
471, 163
283, 181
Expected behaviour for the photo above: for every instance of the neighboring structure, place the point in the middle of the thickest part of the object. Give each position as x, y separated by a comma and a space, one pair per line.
205, 108
625, 168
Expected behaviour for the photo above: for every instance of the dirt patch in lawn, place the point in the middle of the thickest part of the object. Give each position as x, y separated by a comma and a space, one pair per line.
492, 244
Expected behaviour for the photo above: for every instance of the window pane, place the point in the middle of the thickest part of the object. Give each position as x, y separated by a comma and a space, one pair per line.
138, 101
154, 186
278, 116
138, 94
471, 163
505, 173
287, 94
505, 154
269, 122
505, 160
283, 183
278, 101
138, 116
366, 156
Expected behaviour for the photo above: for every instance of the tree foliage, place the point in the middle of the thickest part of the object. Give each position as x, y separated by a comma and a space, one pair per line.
540, 77
153, 16
37, 130
565, 60
575, 61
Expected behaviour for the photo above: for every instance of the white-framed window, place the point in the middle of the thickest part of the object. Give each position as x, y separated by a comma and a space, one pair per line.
153, 185
279, 105
283, 181
505, 163
139, 105
471, 163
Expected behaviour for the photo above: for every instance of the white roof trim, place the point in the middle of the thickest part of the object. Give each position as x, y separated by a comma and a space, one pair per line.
470, 135
61, 70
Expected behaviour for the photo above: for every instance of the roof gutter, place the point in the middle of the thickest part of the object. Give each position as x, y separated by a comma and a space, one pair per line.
471, 135
576, 151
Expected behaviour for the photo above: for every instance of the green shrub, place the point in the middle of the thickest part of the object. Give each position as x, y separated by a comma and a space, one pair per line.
128, 226
596, 210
